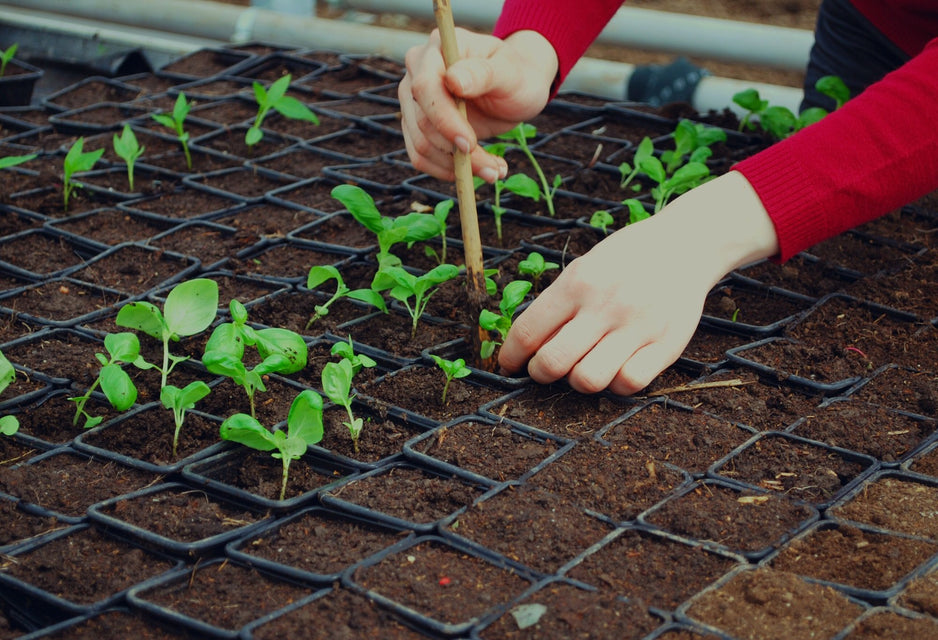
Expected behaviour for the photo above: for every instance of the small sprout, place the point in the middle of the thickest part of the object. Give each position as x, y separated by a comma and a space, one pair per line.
441, 212
452, 369
413, 291
629, 172
190, 308
512, 296
602, 220
779, 122
536, 266
304, 427
637, 211
127, 147
346, 350
5, 56
409, 228
276, 98
122, 348
176, 121
337, 385
281, 350
520, 136
8, 424
76, 161
323, 273
180, 401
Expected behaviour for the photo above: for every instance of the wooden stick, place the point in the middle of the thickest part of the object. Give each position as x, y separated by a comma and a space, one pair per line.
465, 191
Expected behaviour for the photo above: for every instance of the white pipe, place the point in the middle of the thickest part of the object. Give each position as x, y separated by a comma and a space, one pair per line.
727, 40
229, 23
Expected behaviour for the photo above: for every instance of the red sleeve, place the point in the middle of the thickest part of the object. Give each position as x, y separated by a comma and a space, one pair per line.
569, 25
871, 156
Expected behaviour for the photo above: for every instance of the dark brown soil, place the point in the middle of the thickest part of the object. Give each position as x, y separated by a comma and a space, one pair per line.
739, 520
442, 582
59, 567
770, 605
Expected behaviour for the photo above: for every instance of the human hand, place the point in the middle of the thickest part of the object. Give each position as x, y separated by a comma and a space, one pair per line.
623, 312
503, 82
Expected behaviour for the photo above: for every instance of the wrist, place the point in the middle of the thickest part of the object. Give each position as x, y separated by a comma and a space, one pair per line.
537, 56
721, 225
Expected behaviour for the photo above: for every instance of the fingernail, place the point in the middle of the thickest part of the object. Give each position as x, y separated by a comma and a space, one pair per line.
502, 169
462, 144
489, 174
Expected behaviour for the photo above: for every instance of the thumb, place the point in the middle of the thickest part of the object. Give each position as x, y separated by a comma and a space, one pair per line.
474, 77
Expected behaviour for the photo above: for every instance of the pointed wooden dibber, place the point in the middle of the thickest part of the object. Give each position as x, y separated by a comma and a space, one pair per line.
465, 193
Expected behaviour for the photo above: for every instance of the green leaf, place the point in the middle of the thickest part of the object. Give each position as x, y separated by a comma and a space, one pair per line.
637, 211
143, 316
191, 306
370, 296
244, 429
322, 273
778, 121
810, 116
523, 185
12, 161
253, 136
287, 343
292, 108
833, 87
181, 109
513, 295
7, 372
749, 99
278, 89
123, 346
9, 425
185, 398
118, 387
226, 338
225, 364
360, 205
337, 381
305, 418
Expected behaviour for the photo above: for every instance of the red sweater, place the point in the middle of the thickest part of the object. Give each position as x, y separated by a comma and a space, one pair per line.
875, 154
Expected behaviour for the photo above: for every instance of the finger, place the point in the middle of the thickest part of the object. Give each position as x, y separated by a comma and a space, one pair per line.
533, 327
561, 352
597, 369
644, 365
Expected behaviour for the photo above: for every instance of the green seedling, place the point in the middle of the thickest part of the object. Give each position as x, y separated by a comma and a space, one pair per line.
337, 385
281, 351
520, 136
637, 211
276, 98
628, 172
177, 122
346, 350
8, 424
180, 401
519, 183
304, 427
122, 348
452, 369
323, 273
602, 220
190, 308
6, 55
127, 147
692, 142
12, 161
409, 228
413, 291
512, 296
686, 177
780, 122
76, 161
536, 266
441, 212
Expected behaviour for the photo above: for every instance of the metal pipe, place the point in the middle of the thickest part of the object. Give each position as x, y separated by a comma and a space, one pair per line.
690, 35
203, 19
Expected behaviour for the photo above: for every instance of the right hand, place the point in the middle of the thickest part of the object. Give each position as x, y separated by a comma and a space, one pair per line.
503, 82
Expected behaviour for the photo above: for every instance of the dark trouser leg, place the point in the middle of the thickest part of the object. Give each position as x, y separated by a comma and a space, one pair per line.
847, 45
